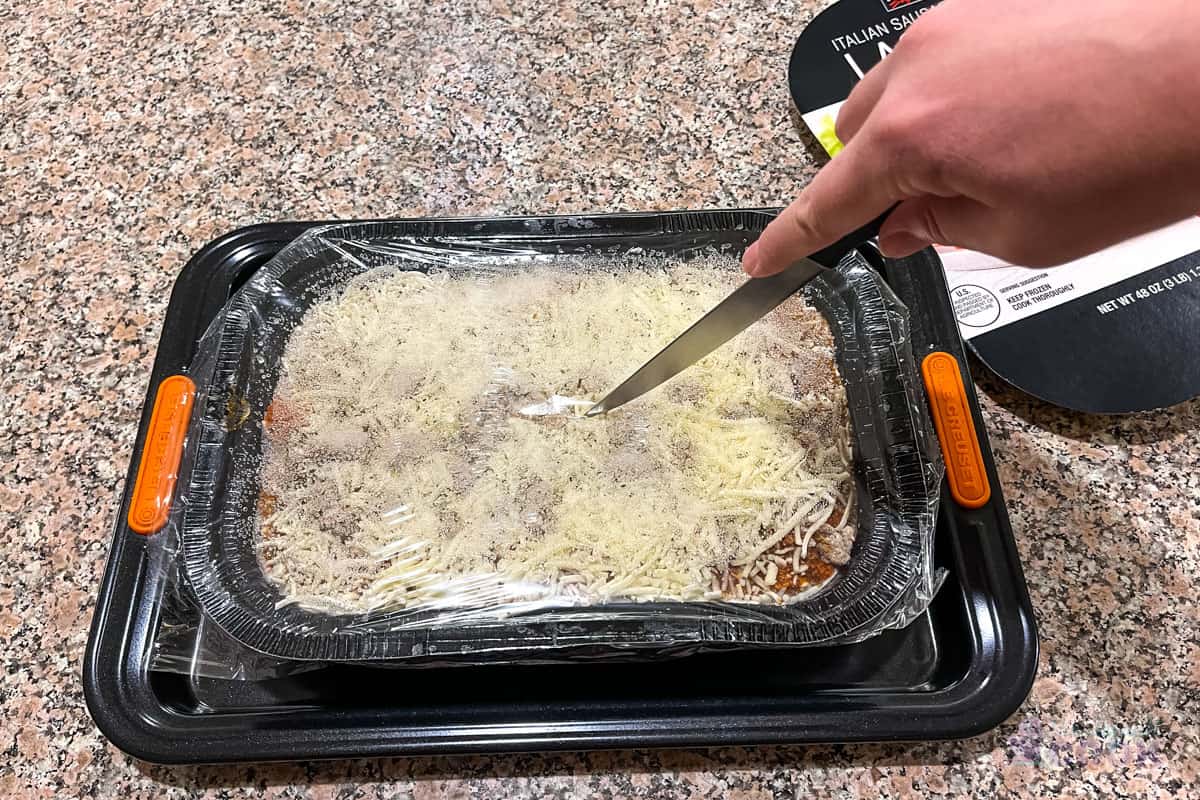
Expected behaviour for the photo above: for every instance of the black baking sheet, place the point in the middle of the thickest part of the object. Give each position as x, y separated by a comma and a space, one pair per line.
957, 671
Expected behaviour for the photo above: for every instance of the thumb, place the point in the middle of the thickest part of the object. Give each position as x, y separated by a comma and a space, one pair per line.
924, 221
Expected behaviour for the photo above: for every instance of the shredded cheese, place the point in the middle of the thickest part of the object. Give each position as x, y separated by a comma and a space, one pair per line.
427, 446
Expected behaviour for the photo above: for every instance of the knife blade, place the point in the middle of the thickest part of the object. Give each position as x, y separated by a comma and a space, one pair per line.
749, 303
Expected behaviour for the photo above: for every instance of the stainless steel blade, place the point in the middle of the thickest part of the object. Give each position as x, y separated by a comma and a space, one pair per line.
749, 303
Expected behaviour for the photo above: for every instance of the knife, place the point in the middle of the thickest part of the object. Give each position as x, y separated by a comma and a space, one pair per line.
749, 303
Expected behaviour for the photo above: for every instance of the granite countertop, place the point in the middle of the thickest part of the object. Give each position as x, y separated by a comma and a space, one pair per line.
133, 133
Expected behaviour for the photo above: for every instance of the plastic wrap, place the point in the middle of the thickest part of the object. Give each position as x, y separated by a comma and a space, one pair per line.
214, 535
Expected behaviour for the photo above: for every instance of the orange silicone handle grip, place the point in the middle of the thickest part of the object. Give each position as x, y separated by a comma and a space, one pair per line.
956, 430
157, 472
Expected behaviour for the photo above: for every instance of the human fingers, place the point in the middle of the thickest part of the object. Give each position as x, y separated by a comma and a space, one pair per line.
862, 101
849, 192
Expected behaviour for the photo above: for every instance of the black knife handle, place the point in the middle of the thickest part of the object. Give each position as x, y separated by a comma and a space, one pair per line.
830, 256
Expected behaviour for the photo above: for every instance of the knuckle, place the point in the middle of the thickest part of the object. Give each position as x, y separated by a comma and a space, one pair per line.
937, 170
913, 39
919, 155
923, 33
903, 150
900, 131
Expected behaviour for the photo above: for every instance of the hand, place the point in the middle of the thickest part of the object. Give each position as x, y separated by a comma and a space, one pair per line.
1036, 132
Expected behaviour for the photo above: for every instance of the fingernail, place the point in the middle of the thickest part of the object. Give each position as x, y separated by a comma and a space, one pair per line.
750, 260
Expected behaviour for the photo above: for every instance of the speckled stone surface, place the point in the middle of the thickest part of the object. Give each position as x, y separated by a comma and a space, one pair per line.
133, 133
